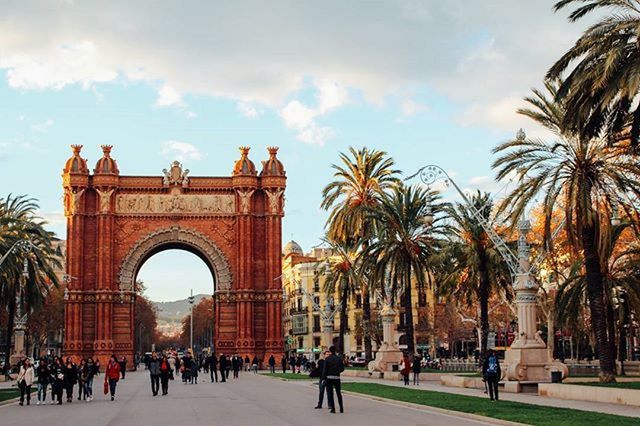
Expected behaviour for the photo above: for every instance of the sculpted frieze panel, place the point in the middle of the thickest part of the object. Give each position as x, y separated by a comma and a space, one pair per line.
178, 203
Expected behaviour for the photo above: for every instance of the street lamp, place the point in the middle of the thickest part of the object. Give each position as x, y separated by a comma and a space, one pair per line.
191, 300
527, 358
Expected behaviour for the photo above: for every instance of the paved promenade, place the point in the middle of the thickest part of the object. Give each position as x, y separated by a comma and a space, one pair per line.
250, 400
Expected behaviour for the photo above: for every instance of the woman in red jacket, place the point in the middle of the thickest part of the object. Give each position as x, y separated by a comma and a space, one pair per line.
112, 375
405, 368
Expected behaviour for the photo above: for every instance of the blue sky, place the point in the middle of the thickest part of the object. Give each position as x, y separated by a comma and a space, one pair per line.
426, 82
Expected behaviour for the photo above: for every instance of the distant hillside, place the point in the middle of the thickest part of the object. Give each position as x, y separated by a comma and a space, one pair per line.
176, 310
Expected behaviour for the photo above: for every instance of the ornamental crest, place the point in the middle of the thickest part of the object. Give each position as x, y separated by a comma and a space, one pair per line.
175, 175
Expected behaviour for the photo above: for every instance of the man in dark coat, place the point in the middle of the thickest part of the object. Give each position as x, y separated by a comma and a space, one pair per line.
491, 373
272, 364
70, 378
283, 362
333, 366
212, 361
223, 367
154, 371
123, 366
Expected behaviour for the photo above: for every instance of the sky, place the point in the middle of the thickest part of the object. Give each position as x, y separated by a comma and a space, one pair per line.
429, 82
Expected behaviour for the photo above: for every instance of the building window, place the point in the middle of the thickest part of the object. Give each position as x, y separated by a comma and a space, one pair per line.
358, 342
358, 301
316, 302
316, 323
299, 303
316, 342
300, 342
422, 299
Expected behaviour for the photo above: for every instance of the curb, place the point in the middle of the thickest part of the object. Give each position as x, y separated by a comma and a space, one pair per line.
421, 407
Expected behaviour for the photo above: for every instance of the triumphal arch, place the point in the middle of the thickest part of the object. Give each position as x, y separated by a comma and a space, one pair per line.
115, 223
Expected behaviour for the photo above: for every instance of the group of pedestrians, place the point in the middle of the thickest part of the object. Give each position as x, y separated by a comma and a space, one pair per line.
63, 376
410, 365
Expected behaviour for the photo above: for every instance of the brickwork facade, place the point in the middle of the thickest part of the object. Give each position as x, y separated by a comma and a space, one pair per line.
115, 223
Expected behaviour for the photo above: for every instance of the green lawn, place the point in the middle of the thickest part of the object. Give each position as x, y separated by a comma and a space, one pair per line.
290, 376
622, 385
11, 393
505, 410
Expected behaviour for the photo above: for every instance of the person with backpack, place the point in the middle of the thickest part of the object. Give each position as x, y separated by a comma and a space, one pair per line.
415, 368
317, 373
87, 373
491, 373
165, 374
154, 372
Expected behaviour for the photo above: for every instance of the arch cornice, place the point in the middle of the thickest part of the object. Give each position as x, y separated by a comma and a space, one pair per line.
175, 234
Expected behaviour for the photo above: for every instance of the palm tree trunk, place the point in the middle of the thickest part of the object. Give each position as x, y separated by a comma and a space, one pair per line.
595, 295
11, 310
344, 320
408, 309
366, 320
483, 296
623, 325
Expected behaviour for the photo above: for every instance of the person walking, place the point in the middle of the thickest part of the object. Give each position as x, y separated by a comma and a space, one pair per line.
97, 369
123, 366
415, 368
172, 363
165, 373
80, 367
25, 380
112, 375
405, 368
247, 363
491, 373
272, 364
44, 377
283, 363
223, 367
213, 367
317, 372
70, 378
57, 381
333, 366
154, 373
88, 372
236, 364
195, 369
254, 364
298, 364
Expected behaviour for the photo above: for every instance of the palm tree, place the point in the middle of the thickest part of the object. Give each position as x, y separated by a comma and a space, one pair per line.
404, 244
343, 277
477, 270
620, 266
588, 178
360, 180
18, 221
604, 63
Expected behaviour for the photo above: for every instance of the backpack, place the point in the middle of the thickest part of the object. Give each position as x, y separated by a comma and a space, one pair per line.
493, 365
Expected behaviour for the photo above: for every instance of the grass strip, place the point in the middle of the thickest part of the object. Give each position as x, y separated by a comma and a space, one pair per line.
10, 393
619, 385
290, 376
504, 410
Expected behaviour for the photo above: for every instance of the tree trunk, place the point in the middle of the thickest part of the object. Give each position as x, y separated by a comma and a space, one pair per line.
366, 321
11, 309
623, 324
483, 296
409, 314
595, 295
551, 336
344, 320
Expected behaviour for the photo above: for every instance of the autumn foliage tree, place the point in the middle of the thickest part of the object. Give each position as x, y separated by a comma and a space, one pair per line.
146, 320
48, 318
203, 315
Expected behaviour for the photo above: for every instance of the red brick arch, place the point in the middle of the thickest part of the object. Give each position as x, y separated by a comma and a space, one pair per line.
115, 223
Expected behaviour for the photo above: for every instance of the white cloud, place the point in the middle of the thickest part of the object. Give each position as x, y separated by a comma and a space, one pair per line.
181, 151
248, 110
4, 151
43, 127
478, 55
296, 115
410, 107
53, 218
169, 97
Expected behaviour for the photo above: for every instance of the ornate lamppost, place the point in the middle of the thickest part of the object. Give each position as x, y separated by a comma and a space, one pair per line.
527, 359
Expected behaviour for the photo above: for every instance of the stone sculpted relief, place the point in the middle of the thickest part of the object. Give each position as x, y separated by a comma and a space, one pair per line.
105, 199
245, 200
274, 198
165, 203
73, 198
